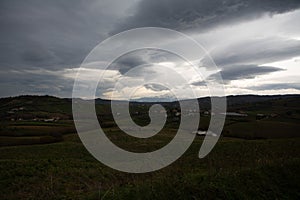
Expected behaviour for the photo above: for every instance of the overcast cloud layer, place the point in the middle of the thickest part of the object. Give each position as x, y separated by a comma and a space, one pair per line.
202, 14
255, 44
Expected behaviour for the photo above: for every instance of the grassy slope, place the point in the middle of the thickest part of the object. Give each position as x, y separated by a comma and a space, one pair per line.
235, 169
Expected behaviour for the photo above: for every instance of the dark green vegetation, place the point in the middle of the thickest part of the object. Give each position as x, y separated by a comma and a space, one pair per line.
29, 120
258, 156
235, 169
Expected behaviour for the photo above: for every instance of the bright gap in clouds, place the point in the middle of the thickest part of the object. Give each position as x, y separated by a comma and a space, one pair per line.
152, 74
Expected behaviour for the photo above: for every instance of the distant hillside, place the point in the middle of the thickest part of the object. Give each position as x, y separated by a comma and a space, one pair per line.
63, 106
243, 99
262, 116
35, 106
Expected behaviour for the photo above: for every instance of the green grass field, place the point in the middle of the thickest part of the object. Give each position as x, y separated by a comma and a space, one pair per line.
235, 169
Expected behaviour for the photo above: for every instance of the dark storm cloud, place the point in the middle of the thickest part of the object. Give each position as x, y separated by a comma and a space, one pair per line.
258, 51
155, 87
52, 34
199, 83
202, 14
240, 72
23, 82
142, 57
127, 62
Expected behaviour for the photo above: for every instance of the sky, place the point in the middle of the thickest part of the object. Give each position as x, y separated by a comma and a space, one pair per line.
254, 43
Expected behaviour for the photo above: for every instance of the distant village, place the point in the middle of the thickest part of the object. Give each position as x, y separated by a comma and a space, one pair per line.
17, 114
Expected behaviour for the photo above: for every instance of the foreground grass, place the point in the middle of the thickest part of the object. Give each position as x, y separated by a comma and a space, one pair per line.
235, 169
